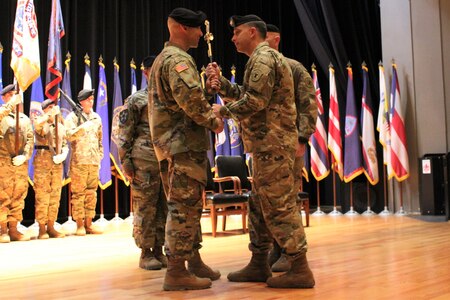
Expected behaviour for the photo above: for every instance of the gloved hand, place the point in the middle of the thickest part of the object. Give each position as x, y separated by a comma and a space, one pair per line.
54, 111
59, 158
15, 100
19, 160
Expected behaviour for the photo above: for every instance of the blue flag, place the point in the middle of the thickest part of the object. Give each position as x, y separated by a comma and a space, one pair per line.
1, 68
143, 79
133, 77
352, 156
117, 105
102, 110
222, 144
54, 64
37, 97
236, 146
65, 110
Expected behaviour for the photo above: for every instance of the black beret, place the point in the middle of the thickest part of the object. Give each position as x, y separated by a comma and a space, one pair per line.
188, 17
272, 28
8, 88
84, 94
148, 61
47, 103
236, 21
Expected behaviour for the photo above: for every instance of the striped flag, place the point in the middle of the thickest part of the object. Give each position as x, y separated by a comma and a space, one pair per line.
143, 79
352, 155
102, 110
237, 148
369, 147
334, 130
65, 110
399, 153
383, 122
37, 97
25, 59
320, 166
54, 64
133, 77
87, 80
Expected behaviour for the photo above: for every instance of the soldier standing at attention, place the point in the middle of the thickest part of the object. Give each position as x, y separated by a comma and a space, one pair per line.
13, 166
306, 106
87, 151
179, 116
265, 107
48, 168
141, 167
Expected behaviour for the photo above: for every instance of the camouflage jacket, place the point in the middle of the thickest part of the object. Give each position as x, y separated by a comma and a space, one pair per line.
305, 100
85, 142
265, 102
178, 110
133, 132
44, 133
7, 133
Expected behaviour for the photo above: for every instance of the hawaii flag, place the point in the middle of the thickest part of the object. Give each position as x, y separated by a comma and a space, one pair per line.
25, 60
383, 122
399, 153
369, 147
334, 130
318, 141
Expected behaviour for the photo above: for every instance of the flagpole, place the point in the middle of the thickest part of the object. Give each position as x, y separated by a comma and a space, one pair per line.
318, 212
368, 212
401, 211
335, 212
351, 212
386, 211
131, 217
116, 218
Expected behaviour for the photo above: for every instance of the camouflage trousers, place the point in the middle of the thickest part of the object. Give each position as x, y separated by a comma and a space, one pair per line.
13, 190
184, 179
273, 208
84, 190
47, 186
149, 205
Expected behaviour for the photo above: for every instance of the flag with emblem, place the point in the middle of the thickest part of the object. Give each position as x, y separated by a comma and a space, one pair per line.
334, 130
383, 122
37, 97
66, 109
222, 142
352, 154
133, 77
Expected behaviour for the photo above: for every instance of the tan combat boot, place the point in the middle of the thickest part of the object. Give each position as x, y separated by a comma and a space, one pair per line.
42, 235
80, 228
197, 267
15, 234
274, 254
4, 237
257, 270
89, 228
299, 276
178, 278
282, 264
52, 231
158, 252
148, 261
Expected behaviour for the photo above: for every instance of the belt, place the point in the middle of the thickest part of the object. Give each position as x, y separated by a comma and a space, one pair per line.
42, 147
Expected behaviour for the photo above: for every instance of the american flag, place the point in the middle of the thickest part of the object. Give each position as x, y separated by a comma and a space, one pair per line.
334, 130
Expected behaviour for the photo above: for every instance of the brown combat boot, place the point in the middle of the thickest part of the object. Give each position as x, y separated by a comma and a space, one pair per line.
282, 264
148, 261
299, 276
158, 252
42, 235
89, 228
15, 234
178, 278
274, 254
197, 267
4, 237
80, 228
257, 270
52, 231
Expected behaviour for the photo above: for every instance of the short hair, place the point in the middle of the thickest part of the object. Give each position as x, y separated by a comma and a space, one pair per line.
260, 27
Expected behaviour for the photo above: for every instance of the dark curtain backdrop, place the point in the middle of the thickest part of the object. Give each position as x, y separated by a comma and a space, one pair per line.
336, 32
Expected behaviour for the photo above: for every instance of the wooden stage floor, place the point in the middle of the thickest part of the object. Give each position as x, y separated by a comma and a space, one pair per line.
352, 258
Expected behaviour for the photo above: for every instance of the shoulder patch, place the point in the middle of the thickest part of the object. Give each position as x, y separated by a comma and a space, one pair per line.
181, 67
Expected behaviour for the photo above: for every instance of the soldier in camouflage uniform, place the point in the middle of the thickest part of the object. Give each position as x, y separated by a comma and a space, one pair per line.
265, 107
13, 166
306, 106
87, 151
142, 169
48, 168
179, 115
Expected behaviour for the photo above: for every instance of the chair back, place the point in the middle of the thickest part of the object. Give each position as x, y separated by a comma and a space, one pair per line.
233, 166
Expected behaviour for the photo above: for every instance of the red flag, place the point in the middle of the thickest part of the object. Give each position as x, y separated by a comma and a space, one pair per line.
334, 130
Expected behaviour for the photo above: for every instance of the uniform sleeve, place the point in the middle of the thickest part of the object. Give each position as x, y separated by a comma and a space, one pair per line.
187, 91
100, 139
39, 125
258, 94
74, 132
230, 91
5, 109
128, 118
307, 107
28, 149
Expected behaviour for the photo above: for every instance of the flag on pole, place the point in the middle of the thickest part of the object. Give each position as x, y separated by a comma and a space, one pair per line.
352, 155
1, 68
306, 165
334, 130
37, 97
25, 59
87, 80
369, 147
133, 77
399, 154
102, 110
117, 106
54, 64
237, 148
210, 152
143, 79
222, 144
65, 110
320, 165
383, 122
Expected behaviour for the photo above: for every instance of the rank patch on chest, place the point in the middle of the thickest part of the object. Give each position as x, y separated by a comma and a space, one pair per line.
181, 67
